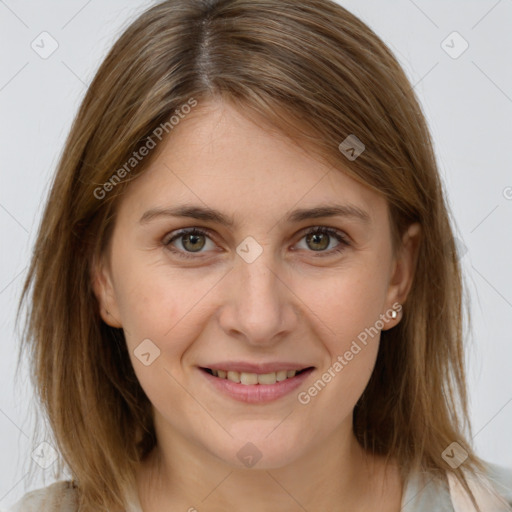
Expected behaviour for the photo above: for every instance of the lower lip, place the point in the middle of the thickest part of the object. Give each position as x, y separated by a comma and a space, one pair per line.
257, 393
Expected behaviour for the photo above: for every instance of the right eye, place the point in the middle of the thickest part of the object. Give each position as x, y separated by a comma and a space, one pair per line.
192, 241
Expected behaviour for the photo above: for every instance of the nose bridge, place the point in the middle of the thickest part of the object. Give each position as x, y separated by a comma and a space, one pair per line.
258, 306
259, 279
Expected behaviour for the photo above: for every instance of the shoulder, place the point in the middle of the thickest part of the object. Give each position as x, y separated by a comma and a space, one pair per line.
501, 479
58, 497
492, 490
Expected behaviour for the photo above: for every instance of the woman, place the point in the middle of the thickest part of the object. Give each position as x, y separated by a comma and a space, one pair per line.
245, 291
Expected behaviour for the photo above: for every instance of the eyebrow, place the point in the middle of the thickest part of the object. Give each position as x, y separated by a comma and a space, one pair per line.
208, 214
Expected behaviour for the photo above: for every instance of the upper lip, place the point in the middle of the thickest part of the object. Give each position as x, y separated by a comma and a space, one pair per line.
246, 367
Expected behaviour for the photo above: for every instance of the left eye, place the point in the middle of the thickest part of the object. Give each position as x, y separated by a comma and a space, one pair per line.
318, 239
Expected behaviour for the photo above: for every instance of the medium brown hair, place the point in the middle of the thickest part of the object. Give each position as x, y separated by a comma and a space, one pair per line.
316, 73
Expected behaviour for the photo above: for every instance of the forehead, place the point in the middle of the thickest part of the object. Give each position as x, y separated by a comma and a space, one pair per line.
219, 159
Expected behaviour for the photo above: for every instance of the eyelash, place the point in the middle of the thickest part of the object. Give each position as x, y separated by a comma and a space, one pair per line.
340, 236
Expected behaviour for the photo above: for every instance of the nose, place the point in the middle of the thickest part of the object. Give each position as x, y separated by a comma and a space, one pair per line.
259, 306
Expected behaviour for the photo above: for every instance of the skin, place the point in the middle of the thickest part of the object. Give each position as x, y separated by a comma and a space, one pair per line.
290, 304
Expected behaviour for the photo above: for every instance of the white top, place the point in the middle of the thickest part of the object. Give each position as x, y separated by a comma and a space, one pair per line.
421, 494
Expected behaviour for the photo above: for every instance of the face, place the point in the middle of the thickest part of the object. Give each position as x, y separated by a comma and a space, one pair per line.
222, 260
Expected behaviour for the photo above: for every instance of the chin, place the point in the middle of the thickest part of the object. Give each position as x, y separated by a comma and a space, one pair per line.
260, 448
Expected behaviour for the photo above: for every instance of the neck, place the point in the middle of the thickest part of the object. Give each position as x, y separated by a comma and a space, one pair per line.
336, 474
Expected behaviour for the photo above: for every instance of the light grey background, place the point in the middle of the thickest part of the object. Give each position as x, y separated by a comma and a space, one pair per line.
468, 104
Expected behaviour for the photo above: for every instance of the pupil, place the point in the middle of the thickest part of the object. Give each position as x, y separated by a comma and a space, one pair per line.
193, 239
318, 238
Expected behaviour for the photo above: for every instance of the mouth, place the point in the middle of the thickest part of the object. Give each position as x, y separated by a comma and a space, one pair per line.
253, 379
255, 387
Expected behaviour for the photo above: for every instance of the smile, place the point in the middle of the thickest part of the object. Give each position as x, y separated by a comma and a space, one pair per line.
251, 379
252, 387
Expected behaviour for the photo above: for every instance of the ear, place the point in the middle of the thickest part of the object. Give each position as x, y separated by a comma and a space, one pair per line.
104, 291
404, 268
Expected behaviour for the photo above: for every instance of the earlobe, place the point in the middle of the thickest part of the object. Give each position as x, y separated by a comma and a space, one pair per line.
104, 292
392, 316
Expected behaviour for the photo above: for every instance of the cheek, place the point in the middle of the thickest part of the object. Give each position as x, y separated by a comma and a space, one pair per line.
160, 303
346, 314
348, 302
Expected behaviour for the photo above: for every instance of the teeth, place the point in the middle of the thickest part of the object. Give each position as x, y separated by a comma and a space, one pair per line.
234, 376
250, 379
281, 375
267, 378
